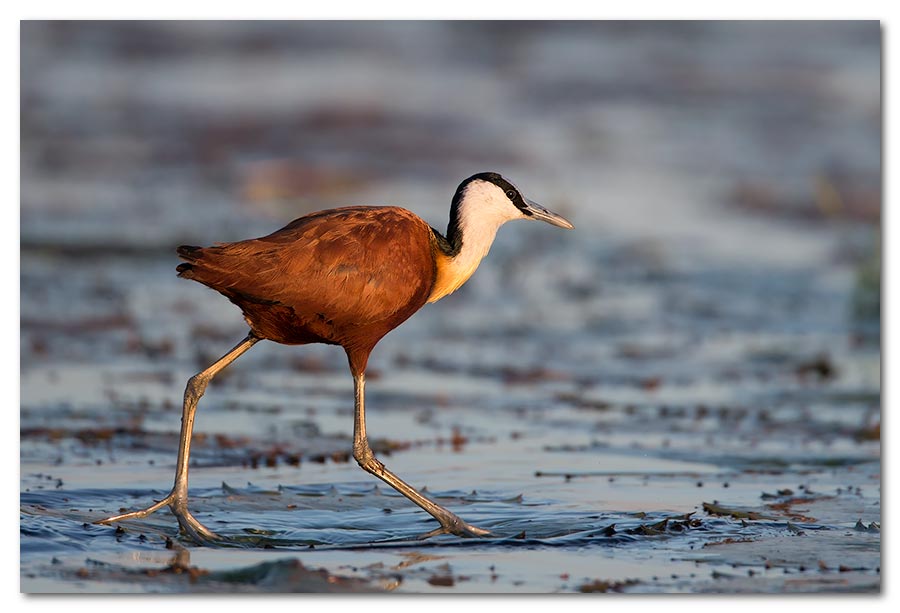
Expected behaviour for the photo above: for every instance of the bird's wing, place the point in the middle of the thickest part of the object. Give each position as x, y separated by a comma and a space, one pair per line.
359, 264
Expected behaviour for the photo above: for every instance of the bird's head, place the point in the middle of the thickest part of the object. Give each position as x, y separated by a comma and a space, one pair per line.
482, 204
488, 199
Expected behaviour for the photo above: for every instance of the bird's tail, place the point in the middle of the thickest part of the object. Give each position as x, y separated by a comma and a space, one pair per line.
191, 255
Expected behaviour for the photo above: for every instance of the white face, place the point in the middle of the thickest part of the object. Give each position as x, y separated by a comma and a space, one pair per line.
486, 205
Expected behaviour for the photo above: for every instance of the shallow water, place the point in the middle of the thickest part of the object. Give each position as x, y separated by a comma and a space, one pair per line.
683, 395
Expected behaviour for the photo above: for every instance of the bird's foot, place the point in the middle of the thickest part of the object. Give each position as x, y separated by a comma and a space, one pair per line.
178, 505
459, 528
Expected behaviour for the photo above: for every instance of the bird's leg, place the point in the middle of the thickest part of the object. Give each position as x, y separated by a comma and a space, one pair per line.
177, 498
450, 523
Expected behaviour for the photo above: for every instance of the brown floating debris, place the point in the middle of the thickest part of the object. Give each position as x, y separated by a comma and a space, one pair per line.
819, 367
340, 456
715, 509
603, 586
869, 433
651, 383
441, 580
785, 507
458, 441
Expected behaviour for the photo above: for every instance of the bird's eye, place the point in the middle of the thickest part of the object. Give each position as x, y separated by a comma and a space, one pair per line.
511, 195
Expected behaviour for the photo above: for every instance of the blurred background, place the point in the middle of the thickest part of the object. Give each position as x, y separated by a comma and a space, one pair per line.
716, 309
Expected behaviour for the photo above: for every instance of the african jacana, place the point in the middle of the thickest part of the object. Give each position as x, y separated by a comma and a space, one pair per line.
346, 277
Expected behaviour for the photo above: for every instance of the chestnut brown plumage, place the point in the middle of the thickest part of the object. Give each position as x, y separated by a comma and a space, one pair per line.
345, 277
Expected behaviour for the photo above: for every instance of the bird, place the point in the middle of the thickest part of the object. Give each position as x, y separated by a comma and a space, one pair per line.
345, 276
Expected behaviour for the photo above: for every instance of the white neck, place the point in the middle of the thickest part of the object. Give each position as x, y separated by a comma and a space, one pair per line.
482, 210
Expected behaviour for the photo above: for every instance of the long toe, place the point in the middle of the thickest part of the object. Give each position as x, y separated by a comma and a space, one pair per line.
458, 528
192, 527
474, 531
138, 514
197, 531
470, 531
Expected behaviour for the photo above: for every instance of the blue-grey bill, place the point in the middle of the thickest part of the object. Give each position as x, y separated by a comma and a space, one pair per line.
540, 213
